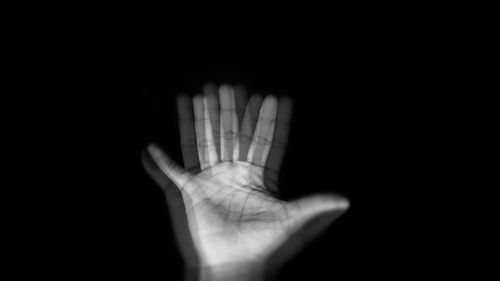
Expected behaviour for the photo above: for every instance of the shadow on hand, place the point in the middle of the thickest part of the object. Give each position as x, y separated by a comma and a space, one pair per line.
178, 216
297, 241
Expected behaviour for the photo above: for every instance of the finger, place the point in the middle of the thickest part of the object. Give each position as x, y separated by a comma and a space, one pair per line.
240, 93
280, 141
248, 125
307, 208
173, 171
264, 130
229, 141
211, 93
154, 171
188, 136
207, 153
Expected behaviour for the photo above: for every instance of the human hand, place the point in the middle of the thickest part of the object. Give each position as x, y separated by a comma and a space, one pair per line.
235, 217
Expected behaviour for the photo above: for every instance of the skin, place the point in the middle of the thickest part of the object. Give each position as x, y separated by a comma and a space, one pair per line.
232, 150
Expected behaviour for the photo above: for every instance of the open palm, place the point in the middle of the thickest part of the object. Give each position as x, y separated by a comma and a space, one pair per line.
229, 183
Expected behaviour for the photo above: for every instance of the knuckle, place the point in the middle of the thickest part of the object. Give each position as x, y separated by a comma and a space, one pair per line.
230, 135
262, 140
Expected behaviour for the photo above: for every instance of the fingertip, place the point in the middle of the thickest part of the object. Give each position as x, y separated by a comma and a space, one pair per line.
184, 106
270, 106
210, 88
183, 98
255, 99
332, 202
225, 88
153, 149
226, 96
339, 202
197, 98
198, 105
272, 99
212, 101
344, 204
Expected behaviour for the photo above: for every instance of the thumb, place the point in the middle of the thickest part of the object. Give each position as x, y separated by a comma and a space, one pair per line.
307, 208
168, 167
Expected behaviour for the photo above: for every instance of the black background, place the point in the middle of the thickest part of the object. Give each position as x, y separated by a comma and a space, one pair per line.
384, 114
358, 93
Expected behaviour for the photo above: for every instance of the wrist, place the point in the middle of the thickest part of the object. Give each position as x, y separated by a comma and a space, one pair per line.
240, 271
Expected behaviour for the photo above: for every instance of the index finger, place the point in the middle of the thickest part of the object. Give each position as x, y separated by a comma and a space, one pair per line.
280, 141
